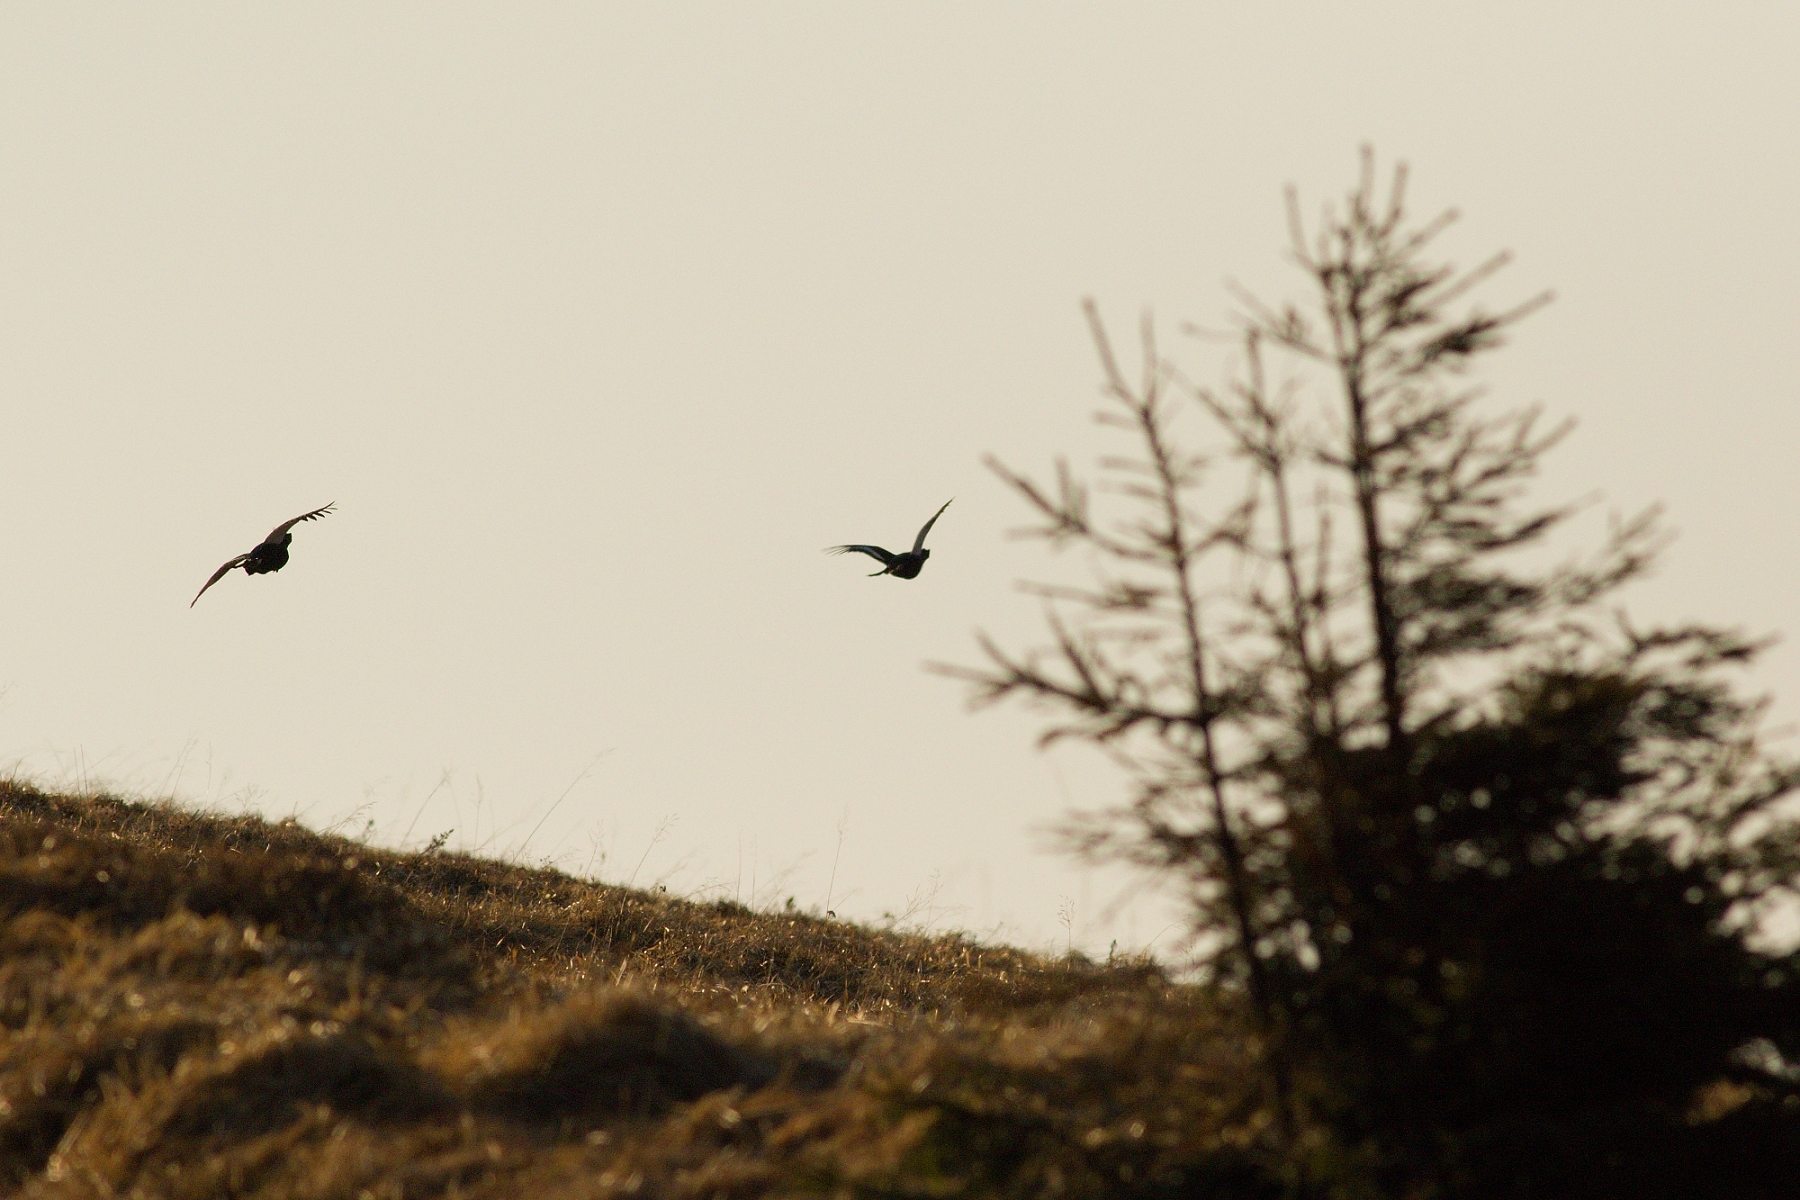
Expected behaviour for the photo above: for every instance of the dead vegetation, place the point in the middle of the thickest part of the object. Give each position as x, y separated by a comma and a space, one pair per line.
200, 1006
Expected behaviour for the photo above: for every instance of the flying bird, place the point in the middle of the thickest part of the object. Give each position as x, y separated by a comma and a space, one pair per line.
901, 566
271, 555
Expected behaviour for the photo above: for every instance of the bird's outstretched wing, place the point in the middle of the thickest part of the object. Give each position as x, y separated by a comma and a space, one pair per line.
885, 557
219, 574
919, 542
287, 525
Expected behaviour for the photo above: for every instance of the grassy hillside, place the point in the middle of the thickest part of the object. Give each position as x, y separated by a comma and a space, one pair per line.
200, 1006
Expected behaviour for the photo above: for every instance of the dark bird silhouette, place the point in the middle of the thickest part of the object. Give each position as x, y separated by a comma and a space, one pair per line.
901, 566
271, 555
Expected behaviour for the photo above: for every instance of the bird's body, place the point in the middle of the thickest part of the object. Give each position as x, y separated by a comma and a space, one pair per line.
905, 565
270, 555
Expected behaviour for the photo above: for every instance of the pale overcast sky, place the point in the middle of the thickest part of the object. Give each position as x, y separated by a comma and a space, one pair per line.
598, 322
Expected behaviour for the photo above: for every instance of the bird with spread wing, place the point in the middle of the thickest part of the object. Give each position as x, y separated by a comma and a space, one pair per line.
271, 555
902, 566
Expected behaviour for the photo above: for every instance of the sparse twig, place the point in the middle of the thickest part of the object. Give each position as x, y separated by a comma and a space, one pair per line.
837, 852
662, 828
585, 772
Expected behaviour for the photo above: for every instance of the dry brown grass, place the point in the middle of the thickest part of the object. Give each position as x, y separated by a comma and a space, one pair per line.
200, 1006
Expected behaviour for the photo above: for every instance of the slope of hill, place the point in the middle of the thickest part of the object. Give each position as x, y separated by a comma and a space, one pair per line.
201, 1006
